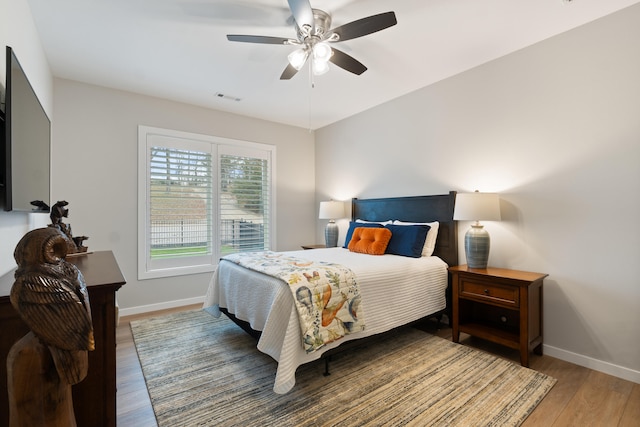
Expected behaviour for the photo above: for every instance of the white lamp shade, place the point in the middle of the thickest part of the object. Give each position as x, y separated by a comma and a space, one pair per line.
477, 207
331, 210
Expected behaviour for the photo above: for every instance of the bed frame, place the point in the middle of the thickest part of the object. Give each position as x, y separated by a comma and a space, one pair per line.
410, 209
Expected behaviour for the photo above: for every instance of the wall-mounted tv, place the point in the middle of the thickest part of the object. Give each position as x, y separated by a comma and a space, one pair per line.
27, 144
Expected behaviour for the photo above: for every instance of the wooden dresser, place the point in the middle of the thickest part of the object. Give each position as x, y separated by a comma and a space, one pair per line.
94, 399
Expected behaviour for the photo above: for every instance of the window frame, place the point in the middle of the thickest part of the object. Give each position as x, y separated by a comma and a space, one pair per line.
147, 136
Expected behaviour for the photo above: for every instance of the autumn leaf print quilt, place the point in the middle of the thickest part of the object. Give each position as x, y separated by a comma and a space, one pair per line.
326, 295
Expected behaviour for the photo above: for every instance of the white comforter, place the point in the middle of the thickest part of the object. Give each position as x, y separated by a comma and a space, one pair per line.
418, 290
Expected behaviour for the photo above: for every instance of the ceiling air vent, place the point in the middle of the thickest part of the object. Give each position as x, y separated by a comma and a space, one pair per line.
227, 97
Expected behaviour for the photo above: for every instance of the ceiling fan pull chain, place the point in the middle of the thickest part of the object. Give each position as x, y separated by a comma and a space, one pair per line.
311, 78
311, 87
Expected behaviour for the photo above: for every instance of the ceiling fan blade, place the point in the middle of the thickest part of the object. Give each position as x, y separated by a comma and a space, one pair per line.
302, 13
258, 39
364, 26
288, 72
347, 62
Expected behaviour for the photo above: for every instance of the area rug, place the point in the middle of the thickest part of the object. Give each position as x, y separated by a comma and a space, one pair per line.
203, 371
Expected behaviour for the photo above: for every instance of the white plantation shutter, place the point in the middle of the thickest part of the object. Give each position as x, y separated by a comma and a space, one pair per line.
180, 203
201, 198
245, 199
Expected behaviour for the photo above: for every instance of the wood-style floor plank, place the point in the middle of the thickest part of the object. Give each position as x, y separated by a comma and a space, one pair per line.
631, 415
570, 378
598, 402
581, 397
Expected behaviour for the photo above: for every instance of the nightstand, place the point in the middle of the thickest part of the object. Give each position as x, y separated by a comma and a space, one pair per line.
499, 305
313, 246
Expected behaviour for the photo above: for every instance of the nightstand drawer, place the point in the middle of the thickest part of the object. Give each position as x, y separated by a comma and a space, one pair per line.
508, 296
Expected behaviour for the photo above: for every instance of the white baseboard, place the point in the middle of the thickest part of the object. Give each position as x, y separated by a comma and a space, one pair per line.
160, 306
591, 363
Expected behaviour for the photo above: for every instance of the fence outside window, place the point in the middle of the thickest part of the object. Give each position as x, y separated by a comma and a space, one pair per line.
237, 234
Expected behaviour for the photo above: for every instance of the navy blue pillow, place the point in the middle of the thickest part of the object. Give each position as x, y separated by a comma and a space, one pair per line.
353, 225
407, 240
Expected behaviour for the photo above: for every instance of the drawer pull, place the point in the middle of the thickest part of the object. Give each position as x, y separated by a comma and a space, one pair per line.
486, 291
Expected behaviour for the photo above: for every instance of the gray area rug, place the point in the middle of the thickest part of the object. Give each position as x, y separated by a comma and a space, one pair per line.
203, 371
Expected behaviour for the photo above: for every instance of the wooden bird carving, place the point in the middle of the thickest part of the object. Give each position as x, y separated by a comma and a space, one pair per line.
51, 297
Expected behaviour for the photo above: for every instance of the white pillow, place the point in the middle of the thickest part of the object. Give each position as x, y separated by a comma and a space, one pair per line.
432, 235
383, 223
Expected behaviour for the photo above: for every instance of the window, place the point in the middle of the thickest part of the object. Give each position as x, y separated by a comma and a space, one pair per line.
201, 197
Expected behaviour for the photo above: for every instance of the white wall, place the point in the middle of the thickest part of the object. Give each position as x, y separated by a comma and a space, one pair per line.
555, 129
18, 31
95, 170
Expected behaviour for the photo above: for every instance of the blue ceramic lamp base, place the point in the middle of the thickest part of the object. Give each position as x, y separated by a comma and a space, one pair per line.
331, 234
476, 246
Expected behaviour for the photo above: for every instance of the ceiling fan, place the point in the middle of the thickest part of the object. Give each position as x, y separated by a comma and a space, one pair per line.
314, 35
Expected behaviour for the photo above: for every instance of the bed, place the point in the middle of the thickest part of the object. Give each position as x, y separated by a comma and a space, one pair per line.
264, 305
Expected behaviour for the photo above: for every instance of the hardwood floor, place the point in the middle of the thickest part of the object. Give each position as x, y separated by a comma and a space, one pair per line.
581, 397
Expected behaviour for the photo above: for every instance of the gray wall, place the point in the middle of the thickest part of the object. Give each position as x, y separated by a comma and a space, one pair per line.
555, 129
18, 31
96, 171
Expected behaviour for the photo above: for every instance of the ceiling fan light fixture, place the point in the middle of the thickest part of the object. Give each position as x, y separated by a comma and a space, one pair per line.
320, 67
314, 33
298, 57
322, 52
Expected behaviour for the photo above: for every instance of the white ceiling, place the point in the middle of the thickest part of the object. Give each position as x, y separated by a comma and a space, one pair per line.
177, 49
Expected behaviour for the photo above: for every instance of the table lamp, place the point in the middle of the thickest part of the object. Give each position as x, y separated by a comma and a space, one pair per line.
477, 207
331, 210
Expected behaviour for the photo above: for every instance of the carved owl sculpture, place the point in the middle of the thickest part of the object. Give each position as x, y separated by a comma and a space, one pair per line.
51, 297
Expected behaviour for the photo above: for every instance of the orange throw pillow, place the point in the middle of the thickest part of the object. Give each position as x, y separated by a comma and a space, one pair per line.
372, 241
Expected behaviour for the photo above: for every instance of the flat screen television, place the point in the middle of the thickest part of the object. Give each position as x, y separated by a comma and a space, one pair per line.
27, 144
